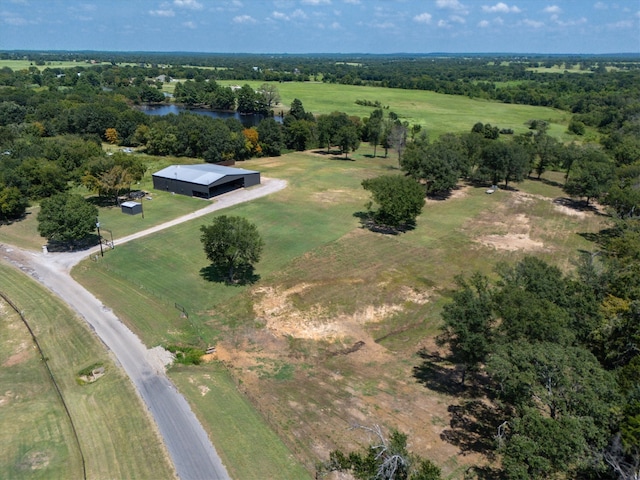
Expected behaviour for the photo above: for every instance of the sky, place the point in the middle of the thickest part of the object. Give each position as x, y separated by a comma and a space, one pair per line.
323, 26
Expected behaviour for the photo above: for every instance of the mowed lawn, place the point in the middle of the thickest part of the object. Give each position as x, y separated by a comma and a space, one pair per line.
117, 436
319, 266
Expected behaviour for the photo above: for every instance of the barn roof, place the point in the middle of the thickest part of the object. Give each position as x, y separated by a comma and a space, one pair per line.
201, 174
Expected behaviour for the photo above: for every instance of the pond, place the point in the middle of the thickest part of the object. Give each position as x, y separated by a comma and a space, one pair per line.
250, 120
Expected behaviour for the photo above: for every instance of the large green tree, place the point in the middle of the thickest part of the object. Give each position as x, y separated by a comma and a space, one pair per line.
399, 200
468, 321
231, 243
66, 218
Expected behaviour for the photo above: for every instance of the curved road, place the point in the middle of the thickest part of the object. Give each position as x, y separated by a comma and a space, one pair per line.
191, 451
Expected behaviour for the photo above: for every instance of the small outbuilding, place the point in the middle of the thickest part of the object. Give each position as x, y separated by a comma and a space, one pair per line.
131, 208
203, 180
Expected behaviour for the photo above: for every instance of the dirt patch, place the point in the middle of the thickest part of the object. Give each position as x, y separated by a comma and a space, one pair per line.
331, 196
415, 296
36, 460
511, 242
21, 355
517, 236
282, 318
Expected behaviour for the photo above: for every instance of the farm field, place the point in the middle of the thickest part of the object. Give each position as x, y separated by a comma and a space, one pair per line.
329, 334
116, 436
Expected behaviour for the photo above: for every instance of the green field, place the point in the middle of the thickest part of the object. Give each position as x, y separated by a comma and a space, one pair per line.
117, 438
435, 112
26, 64
322, 273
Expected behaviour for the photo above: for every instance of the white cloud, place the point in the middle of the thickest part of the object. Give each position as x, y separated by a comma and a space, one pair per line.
569, 23
299, 14
500, 8
533, 23
189, 25
192, 4
384, 25
600, 6
335, 26
443, 24
620, 24
483, 24
423, 18
552, 9
316, 2
353, 2
457, 19
244, 19
451, 4
236, 3
162, 13
14, 20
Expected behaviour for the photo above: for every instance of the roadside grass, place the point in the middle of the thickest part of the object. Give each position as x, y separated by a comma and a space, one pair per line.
116, 434
320, 273
249, 448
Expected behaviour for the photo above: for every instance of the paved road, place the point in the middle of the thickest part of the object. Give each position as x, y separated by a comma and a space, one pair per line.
193, 455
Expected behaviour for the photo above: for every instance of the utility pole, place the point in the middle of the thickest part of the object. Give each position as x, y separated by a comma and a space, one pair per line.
99, 237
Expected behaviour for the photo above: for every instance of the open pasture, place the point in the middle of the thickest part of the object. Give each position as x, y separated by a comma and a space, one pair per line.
328, 334
116, 436
436, 113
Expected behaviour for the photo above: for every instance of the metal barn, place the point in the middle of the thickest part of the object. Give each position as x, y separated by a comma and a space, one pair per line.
203, 180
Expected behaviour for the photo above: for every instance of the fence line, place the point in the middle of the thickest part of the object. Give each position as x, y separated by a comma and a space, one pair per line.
53, 381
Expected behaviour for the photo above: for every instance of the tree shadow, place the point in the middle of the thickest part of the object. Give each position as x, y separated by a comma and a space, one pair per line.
440, 196
578, 205
73, 245
546, 181
366, 221
101, 201
437, 373
11, 221
473, 424
245, 275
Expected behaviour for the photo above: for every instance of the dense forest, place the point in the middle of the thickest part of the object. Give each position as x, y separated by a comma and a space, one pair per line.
556, 356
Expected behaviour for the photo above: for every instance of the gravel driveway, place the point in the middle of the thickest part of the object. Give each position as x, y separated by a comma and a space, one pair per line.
193, 455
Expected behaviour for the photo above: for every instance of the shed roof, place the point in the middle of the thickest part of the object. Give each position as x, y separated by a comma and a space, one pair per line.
201, 174
129, 204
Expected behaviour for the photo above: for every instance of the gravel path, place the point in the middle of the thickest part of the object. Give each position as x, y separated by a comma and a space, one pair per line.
193, 455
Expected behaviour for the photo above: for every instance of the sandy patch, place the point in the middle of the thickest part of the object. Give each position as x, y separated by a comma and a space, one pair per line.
517, 237
203, 389
275, 308
511, 242
415, 296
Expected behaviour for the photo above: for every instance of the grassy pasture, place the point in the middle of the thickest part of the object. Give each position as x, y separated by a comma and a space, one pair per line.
116, 435
435, 112
325, 284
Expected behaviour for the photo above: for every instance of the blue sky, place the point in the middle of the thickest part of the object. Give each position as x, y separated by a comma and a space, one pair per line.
323, 26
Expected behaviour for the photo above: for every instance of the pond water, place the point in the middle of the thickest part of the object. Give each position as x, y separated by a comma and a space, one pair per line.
251, 120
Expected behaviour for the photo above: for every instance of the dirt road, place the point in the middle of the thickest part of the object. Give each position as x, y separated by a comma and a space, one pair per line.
191, 451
